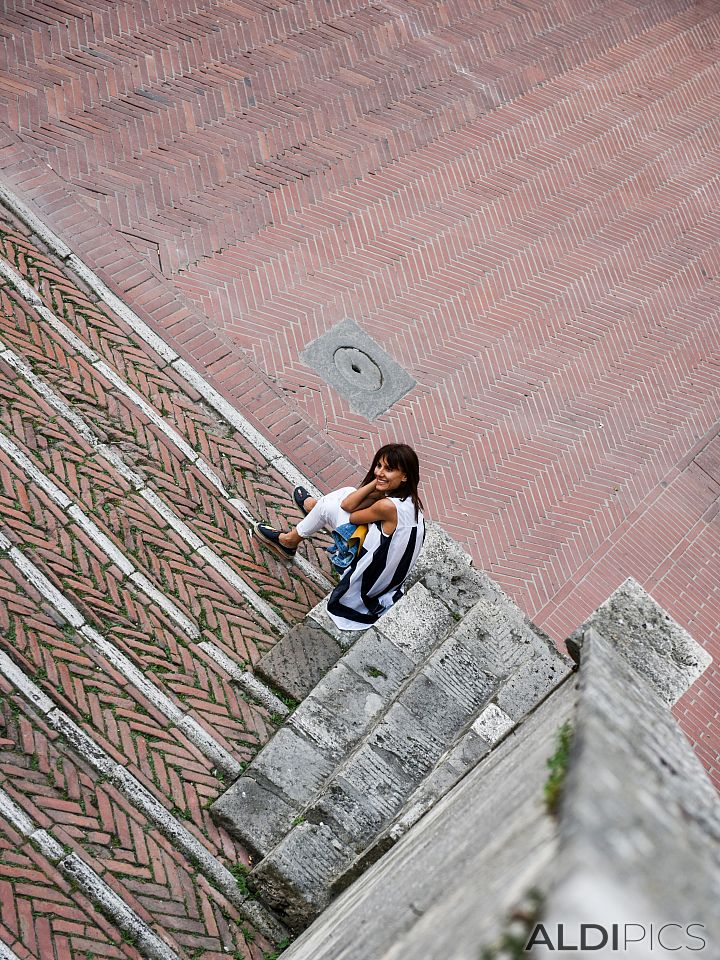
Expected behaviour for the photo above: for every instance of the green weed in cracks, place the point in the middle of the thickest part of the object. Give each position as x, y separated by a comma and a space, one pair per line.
240, 872
283, 945
557, 765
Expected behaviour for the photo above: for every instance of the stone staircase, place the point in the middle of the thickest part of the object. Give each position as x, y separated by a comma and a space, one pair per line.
632, 833
138, 617
408, 708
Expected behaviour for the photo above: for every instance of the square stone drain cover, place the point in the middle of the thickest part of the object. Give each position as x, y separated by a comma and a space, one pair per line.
358, 368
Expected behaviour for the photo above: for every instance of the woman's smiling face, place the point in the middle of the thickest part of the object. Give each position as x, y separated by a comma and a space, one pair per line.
386, 478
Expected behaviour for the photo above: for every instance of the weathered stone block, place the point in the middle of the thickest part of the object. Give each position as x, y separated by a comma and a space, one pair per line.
640, 818
300, 659
454, 670
379, 662
403, 738
255, 815
492, 724
447, 572
448, 771
440, 716
417, 624
649, 639
295, 879
460, 758
499, 637
293, 765
338, 712
530, 684
472, 746
365, 796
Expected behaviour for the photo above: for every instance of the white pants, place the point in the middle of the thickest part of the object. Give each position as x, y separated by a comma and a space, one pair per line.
326, 514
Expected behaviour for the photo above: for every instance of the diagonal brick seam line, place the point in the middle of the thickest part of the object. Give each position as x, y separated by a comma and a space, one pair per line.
77, 871
141, 798
31, 296
198, 736
74, 512
244, 678
194, 379
147, 493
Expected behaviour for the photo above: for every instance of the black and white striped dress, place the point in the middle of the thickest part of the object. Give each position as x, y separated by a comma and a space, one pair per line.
373, 583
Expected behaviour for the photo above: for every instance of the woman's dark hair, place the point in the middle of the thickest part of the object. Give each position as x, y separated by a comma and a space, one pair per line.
399, 456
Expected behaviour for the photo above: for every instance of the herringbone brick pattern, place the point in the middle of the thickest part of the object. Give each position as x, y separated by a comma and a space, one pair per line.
100, 590
40, 918
154, 879
518, 202
143, 445
93, 819
98, 698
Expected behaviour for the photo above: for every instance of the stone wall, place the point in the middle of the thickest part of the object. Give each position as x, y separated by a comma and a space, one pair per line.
636, 839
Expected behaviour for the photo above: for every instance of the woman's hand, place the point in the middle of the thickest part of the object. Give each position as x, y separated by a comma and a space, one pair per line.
357, 499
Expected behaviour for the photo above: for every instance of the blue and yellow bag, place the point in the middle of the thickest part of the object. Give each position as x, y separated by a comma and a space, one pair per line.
347, 541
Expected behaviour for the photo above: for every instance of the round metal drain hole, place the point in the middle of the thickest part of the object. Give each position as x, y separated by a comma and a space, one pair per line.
358, 368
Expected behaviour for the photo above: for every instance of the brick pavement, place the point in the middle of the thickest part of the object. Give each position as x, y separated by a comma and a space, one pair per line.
518, 202
125, 648
93, 818
41, 918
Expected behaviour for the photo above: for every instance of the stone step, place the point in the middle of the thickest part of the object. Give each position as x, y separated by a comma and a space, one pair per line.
426, 741
416, 700
472, 745
286, 775
301, 658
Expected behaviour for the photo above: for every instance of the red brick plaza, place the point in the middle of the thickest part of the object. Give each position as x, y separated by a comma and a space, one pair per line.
519, 201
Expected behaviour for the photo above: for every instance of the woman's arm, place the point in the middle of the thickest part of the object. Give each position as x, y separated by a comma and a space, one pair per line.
384, 510
355, 500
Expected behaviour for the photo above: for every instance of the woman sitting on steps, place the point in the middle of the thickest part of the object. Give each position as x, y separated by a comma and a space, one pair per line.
388, 503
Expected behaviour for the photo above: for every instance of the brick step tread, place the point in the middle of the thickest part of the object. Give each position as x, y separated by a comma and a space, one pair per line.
194, 236
311, 290
285, 239
95, 820
216, 609
242, 470
42, 916
121, 613
115, 714
182, 486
